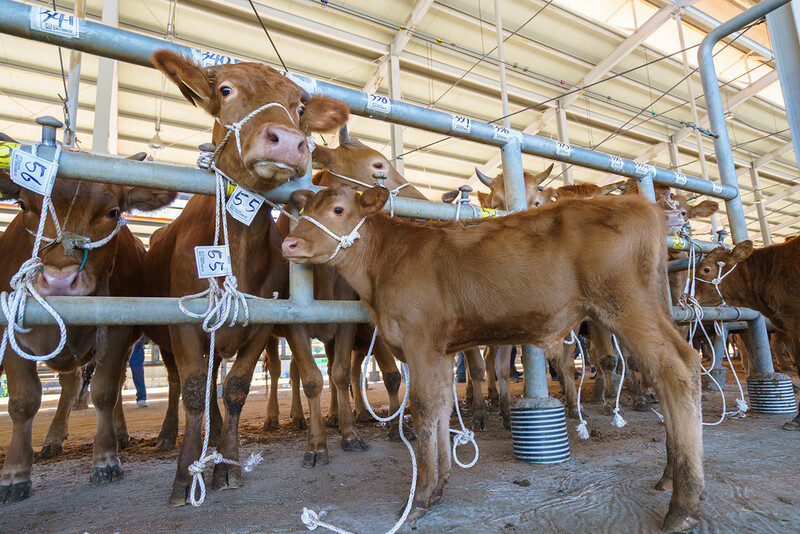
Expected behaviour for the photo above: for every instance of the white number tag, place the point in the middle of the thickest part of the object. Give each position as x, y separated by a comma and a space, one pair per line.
643, 169
213, 261
243, 205
45, 20
209, 59
32, 172
563, 149
378, 103
717, 188
309, 85
500, 133
680, 178
616, 163
461, 124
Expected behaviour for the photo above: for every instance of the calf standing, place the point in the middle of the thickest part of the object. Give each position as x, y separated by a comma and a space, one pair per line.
437, 287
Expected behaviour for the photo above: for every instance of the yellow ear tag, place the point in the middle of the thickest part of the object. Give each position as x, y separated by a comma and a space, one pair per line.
5, 153
231, 187
360, 192
191, 89
301, 211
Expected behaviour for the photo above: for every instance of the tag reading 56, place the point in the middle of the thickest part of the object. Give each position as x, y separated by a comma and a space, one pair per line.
32, 172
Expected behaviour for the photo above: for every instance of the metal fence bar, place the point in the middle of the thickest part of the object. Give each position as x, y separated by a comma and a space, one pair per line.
133, 48
720, 313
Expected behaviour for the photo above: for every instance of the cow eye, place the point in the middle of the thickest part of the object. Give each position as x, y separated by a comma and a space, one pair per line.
378, 165
22, 205
338, 210
301, 110
225, 90
683, 213
706, 270
113, 214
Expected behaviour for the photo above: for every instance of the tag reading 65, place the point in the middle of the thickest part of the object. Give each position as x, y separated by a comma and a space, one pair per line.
32, 172
213, 261
243, 205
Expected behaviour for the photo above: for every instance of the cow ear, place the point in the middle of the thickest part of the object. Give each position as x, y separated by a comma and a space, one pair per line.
742, 251
483, 199
193, 81
450, 196
705, 208
323, 114
322, 157
372, 200
145, 199
139, 156
300, 198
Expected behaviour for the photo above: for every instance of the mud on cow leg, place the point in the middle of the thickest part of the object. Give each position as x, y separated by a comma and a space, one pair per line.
25, 397
194, 392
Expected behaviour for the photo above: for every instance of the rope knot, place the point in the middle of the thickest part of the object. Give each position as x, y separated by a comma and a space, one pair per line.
348, 240
311, 519
197, 468
463, 437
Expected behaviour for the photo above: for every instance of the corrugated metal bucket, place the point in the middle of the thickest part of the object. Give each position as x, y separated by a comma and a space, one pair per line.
539, 435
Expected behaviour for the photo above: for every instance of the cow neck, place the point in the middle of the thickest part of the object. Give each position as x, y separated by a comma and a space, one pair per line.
745, 285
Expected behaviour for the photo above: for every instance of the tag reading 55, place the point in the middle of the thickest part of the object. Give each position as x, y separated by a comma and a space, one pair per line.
213, 261
243, 205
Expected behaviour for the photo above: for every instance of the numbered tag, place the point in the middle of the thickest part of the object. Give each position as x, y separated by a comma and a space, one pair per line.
678, 243
5, 153
213, 261
563, 149
488, 212
501, 134
617, 164
378, 103
32, 172
461, 124
680, 178
717, 188
643, 169
309, 85
45, 20
209, 59
243, 205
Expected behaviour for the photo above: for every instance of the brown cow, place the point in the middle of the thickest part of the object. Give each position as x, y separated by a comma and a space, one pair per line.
532, 276
274, 116
91, 210
765, 279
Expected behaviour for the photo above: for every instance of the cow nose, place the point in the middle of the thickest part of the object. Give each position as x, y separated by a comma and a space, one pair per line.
285, 145
53, 281
290, 245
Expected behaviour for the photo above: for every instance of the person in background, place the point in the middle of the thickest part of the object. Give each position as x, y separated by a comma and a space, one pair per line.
137, 372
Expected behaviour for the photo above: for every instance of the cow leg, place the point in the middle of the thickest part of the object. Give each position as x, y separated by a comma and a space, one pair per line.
674, 367
391, 380
340, 377
502, 368
120, 424
332, 420
25, 397
169, 428
356, 365
443, 433
216, 416
634, 386
234, 395
605, 363
272, 360
476, 369
82, 399
296, 411
106, 466
431, 376
565, 367
57, 433
490, 356
317, 447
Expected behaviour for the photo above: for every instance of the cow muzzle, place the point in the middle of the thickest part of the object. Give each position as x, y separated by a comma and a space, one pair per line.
277, 153
293, 249
62, 282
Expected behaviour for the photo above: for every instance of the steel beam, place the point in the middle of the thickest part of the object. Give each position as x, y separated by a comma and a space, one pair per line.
563, 137
783, 27
766, 238
105, 114
395, 130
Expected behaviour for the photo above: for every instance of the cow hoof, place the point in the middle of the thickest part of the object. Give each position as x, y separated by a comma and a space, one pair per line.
19, 491
364, 417
123, 442
507, 423
226, 477
665, 484
792, 425
418, 509
332, 421
299, 424
608, 409
642, 406
315, 459
573, 414
180, 495
51, 449
106, 473
354, 445
166, 442
479, 425
271, 423
679, 522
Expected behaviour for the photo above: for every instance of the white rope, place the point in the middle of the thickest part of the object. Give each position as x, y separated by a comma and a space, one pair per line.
462, 436
465, 202
392, 192
583, 433
344, 241
618, 421
741, 403
22, 285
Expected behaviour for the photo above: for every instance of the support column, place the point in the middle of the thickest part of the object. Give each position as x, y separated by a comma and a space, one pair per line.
73, 85
396, 132
783, 25
718, 372
766, 238
769, 392
563, 136
502, 64
105, 111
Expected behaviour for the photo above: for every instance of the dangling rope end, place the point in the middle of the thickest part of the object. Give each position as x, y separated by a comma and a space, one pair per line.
582, 432
618, 422
743, 407
252, 462
310, 518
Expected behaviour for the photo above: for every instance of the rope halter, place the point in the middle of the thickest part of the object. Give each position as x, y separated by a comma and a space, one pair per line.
392, 192
344, 241
718, 279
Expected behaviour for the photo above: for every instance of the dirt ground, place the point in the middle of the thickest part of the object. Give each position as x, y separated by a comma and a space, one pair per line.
752, 478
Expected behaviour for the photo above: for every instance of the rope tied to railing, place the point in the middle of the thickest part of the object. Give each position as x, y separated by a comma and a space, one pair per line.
583, 433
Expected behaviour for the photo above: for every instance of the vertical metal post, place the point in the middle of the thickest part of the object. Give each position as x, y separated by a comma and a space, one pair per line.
783, 25
301, 277
563, 136
760, 346
105, 101
674, 156
73, 84
396, 132
766, 238
535, 372
502, 63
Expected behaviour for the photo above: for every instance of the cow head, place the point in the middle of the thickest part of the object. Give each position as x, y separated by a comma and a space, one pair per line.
496, 197
273, 141
716, 264
339, 209
354, 159
84, 209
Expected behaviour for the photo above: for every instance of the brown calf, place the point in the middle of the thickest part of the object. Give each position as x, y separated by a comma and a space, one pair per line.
91, 210
273, 148
437, 287
765, 279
